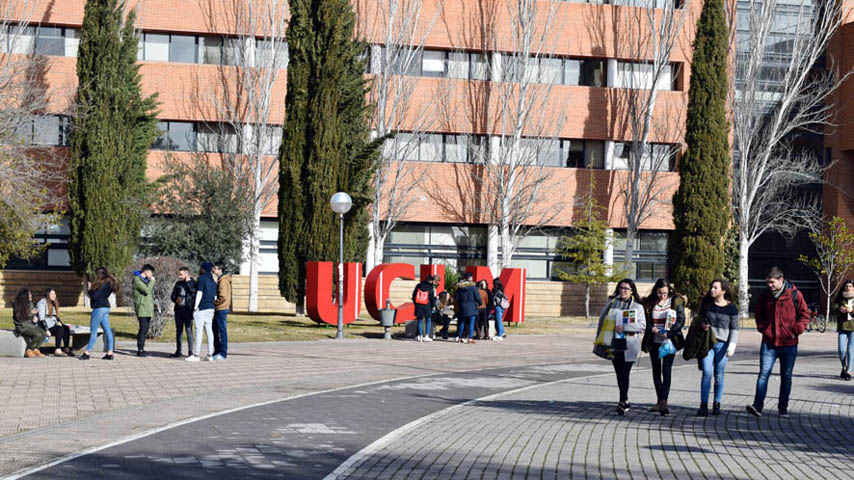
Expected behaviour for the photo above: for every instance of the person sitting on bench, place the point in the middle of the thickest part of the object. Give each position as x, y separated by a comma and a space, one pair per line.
26, 326
48, 308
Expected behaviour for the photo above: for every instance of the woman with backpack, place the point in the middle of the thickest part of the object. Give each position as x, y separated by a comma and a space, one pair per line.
501, 305
423, 298
665, 310
718, 313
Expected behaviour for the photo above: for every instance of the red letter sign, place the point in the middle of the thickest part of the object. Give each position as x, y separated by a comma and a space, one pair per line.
323, 307
481, 273
377, 290
436, 270
514, 289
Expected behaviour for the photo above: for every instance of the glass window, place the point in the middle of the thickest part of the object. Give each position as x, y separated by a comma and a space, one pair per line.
72, 41
594, 153
156, 47
572, 71
433, 63
182, 49
549, 152
21, 39
232, 51
533, 268
653, 241
458, 65
574, 153
46, 130
478, 149
408, 234
551, 70
182, 137
274, 140
162, 140
456, 149
431, 148
622, 151
593, 73
402, 146
269, 53
49, 41
479, 66
210, 50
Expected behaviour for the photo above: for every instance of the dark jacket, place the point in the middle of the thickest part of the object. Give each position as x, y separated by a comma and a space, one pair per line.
675, 332
184, 295
206, 285
100, 298
424, 310
22, 319
844, 325
466, 299
698, 342
777, 320
485, 299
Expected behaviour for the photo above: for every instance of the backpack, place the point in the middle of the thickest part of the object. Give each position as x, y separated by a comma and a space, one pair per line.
795, 300
422, 297
502, 300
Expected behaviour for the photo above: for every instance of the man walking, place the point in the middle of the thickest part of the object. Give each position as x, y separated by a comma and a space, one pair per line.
203, 312
143, 304
184, 297
781, 316
466, 301
222, 305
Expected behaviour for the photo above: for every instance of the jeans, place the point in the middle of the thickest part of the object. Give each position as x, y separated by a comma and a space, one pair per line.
465, 322
144, 323
100, 318
62, 334
220, 332
203, 319
422, 323
714, 364
661, 368
184, 321
846, 350
499, 323
623, 369
483, 323
767, 356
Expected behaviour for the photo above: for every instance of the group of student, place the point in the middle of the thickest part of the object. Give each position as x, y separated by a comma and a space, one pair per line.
654, 324
200, 306
472, 304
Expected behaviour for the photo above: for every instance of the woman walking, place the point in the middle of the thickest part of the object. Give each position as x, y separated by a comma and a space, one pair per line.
48, 311
25, 318
630, 322
666, 312
845, 326
718, 313
99, 295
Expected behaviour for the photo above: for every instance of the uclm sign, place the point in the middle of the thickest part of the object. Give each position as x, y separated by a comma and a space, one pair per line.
322, 304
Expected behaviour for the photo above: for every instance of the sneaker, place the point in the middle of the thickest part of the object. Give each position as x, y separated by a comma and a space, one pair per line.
716, 408
621, 409
31, 354
471, 340
783, 413
428, 339
457, 339
192, 358
753, 411
218, 357
209, 358
626, 406
175, 355
85, 356
108, 356
69, 352
497, 339
59, 353
466, 340
141, 354
418, 338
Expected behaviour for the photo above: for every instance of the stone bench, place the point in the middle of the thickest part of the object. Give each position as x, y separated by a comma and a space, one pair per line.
12, 346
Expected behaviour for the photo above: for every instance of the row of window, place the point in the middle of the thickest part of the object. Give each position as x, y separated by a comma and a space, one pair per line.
45, 131
211, 137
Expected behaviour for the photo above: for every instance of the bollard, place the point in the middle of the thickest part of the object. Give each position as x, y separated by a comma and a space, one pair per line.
387, 316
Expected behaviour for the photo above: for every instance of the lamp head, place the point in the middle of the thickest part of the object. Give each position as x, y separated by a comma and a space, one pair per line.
341, 203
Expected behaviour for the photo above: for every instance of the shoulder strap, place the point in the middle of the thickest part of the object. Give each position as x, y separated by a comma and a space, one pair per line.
795, 300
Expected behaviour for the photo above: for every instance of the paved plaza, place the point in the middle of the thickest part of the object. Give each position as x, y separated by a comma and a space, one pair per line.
531, 407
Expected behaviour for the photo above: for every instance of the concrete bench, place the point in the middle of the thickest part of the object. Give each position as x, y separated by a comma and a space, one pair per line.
412, 327
12, 346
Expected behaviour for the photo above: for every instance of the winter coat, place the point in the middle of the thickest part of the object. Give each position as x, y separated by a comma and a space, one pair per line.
50, 319
184, 295
424, 310
777, 320
21, 319
223, 293
143, 297
675, 332
485, 299
698, 342
845, 325
100, 298
466, 299
632, 330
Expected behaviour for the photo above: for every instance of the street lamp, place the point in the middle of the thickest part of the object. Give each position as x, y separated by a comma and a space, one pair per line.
341, 203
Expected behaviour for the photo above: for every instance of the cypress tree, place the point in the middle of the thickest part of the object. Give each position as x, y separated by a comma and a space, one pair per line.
108, 191
326, 145
701, 206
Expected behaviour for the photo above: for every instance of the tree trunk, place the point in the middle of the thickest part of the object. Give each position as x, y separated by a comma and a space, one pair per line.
370, 256
492, 240
254, 261
743, 283
507, 249
587, 303
629, 252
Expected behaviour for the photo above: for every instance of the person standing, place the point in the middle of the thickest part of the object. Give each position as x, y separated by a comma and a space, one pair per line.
203, 312
143, 304
844, 309
25, 318
424, 298
629, 322
222, 306
183, 296
665, 310
501, 304
781, 316
105, 284
718, 313
48, 311
482, 331
466, 301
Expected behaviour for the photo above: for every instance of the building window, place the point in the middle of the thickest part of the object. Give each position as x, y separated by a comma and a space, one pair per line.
39, 40
213, 50
45, 131
269, 53
649, 256
217, 138
641, 75
176, 137
656, 156
182, 49
50, 41
583, 153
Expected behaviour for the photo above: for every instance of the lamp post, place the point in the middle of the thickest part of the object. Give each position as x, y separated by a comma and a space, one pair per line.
341, 203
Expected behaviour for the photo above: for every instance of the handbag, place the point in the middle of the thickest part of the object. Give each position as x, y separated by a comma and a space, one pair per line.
666, 349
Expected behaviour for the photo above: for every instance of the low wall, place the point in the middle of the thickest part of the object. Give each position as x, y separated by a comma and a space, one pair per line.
544, 299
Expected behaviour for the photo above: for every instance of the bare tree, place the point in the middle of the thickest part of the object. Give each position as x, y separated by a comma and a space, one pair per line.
648, 33
834, 247
782, 89
397, 30
245, 129
29, 175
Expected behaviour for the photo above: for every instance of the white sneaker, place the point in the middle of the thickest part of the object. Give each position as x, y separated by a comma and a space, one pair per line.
418, 338
456, 339
209, 358
428, 339
465, 340
192, 358
497, 339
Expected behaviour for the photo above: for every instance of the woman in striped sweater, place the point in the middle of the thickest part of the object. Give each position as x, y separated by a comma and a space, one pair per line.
719, 314
665, 311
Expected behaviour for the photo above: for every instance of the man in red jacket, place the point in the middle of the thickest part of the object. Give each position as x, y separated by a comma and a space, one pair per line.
781, 315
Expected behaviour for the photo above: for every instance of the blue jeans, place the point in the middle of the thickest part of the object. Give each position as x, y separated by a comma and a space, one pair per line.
846, 350
100, 318
461, 322
714, 364
499, 321
220, 332
767, 357
423, 322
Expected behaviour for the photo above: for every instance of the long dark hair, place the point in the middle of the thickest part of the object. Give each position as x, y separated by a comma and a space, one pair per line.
52, 305
840, 297
631, 283
22, 306
650, 301
497, 285
102, 277
708, 300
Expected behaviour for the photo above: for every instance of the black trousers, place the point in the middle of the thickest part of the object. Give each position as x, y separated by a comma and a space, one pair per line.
144, 323
661, 368
623, 369
62, 334
184, 322
482, 329
445, 320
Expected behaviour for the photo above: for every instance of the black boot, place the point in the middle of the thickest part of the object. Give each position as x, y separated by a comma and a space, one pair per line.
716, 408
704, 410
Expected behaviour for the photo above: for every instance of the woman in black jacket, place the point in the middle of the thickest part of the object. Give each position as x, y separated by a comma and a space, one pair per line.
99, 294
665, 310
24, 317
424, 299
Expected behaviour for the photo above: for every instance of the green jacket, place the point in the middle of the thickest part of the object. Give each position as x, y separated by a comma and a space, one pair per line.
143, 297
